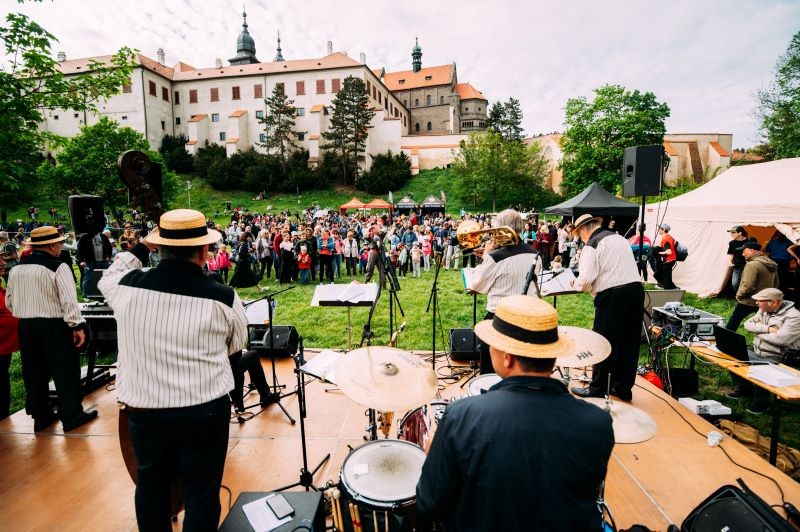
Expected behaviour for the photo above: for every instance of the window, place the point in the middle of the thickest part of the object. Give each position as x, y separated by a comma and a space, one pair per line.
234, 93
301, 111
369, 87
262, 137
221, 135
401, 81
259, 114
428, 78
177, 98
280, 88
441, 100
163, 125
215, 117
416, 102
396, 113
258, 90
124, 118
466, 109
300, 88
336, 85
320, 86
301, 135
214, 94
428, 99
193, 96
429, 126
165, 94
152, 86
404, 120
379, 97
416, 127
405, 103
127, 87
177, 120
55, 117
74, 115
479, 109
374, 96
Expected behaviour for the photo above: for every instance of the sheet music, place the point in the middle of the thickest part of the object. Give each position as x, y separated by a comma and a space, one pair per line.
467, 277
261, 516
556, 283
353, 292
323, 365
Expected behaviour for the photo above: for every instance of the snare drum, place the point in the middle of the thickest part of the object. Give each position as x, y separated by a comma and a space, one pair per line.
380, 477
414, 427
481, 383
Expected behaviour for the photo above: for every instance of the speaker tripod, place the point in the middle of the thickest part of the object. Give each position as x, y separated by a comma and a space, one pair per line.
474, 365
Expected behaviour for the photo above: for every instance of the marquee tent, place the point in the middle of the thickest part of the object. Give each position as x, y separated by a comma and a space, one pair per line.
597, 201
432, 204
354, 203
378, 203
405, 204
762, 196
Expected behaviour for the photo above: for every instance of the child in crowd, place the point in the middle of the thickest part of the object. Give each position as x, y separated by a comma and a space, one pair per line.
362, 263
211, 267
416, 259
223, 262
427, 251
304, 265
393, 256
557, 264
402, 259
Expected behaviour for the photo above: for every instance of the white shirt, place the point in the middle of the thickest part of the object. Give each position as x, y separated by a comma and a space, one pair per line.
502, 273
606, 262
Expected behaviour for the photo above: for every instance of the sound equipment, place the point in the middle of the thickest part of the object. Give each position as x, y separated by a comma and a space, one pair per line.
86, 214
285, 337
733, 509
687, 322
463, 345
643, 170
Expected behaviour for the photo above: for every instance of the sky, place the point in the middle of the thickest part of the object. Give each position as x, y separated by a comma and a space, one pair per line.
704, 59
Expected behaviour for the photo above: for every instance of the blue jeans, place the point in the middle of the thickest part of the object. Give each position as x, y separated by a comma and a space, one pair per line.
305, 276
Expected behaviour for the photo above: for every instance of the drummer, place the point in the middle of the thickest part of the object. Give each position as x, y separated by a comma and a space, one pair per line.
525, 455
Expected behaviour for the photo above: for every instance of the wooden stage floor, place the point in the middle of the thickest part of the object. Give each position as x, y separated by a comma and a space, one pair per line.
79, 481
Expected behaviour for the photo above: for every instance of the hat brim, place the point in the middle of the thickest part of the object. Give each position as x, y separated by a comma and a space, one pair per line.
53, 240
154, 237
598, 219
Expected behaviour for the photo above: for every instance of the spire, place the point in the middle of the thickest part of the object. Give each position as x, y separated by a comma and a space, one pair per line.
245, 46
279, 55
416, 56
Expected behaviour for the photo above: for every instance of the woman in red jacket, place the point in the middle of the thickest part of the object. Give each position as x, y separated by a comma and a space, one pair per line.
9, 342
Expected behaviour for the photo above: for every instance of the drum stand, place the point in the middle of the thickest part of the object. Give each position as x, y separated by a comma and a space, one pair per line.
433, 301
474, 366
306, 477
603, 508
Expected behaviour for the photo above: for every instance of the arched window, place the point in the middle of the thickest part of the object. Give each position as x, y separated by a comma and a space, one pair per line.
416, 127
428, 99
416, 102
441, 99
429, 126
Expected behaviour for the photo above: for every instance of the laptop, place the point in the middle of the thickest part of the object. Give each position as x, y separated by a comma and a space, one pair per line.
734, 344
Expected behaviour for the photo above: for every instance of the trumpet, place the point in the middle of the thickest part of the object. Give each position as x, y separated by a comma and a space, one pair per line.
471, 236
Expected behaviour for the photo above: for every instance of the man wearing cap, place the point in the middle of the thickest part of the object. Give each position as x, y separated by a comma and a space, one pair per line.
666, 252
759, 272
176, 329
608, 271
41, 293
525, 455
735, 256
94, 252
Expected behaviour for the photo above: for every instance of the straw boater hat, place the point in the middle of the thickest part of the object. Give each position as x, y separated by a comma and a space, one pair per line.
584, 219
183, 227
528, 327
45, 235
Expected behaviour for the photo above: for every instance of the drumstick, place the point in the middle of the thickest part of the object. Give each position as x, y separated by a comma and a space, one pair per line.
353, 516
358, 518
337, 498
386, 520
375, 520
337, 519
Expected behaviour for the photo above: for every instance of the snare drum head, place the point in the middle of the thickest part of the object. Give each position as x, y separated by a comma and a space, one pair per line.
483, 382
383, 472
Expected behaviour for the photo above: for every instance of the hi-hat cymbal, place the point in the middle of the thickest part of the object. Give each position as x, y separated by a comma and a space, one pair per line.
385, 378
591, 348
631, 424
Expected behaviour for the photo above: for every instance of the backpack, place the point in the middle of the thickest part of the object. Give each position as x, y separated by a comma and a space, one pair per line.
681, 252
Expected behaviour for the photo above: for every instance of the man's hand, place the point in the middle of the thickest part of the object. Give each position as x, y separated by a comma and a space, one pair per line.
773, 329
78, 338
489, 247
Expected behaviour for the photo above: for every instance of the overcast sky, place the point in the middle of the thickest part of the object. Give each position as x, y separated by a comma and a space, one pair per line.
703, 58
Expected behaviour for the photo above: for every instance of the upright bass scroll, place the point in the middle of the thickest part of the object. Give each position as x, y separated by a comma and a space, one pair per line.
143, 179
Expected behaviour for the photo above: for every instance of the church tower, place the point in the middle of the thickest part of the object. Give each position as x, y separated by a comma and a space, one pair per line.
279, 55
245, 47
416, 56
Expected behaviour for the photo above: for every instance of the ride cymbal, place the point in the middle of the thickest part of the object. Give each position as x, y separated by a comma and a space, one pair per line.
630, 424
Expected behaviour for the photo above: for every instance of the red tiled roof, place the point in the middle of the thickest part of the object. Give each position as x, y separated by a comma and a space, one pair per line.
180, 66
316, 108
79, 66
237, 113
197, 118
745, 156
233, 140
672, 152
313, 137
335, 60
191, 142
719, 149
468, 92
408, 79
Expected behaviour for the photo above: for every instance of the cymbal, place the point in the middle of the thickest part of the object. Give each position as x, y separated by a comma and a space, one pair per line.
631, 424
385, 378
593, 348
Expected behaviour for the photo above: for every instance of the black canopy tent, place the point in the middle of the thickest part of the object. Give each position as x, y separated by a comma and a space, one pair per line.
597, 201
432, 204
405, 205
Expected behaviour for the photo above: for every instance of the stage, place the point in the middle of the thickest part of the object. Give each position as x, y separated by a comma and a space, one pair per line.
79, 481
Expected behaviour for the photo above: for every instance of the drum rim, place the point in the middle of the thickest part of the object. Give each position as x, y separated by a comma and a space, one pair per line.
483, 376
356, 496
412, 411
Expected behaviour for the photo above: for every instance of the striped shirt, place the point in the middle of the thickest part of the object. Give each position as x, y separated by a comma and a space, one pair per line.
175, 329
606, 262
502, 273
41, 286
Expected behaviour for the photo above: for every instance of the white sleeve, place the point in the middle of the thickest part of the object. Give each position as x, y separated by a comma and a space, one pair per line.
238, 336
588, 270
124, 262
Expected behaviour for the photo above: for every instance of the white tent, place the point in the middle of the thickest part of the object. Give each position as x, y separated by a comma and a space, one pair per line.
765, 195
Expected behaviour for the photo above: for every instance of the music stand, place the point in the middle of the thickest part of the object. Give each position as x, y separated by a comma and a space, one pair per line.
346, 295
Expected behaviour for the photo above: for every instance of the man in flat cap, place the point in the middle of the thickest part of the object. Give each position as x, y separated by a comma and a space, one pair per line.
759, 272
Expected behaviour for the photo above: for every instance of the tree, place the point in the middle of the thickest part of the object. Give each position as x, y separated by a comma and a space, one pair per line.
506, 118
488, 165
349, 124
173, 150
278, 125
779, 106
388, 172
88, 164
34, 83
597, 133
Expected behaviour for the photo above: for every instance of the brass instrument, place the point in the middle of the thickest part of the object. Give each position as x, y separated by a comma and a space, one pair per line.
471, 236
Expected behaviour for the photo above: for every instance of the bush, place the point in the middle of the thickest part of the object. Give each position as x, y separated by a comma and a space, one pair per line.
300, 177
176, 158
330, 168
206, 157
388, 172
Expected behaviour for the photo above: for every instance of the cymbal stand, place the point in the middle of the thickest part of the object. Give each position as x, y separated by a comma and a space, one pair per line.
306, 476
433, 302
603, 508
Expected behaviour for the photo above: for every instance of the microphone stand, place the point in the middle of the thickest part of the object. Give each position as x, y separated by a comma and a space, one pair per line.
433, 301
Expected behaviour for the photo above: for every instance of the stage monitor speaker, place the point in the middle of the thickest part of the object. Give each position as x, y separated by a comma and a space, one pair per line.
286, 339
734, 509
463, 344
86, 214
643, 170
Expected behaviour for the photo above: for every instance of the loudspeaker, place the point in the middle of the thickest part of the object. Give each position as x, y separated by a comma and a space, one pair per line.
734, 509
285, 336
463, 344
86, 214
643, 170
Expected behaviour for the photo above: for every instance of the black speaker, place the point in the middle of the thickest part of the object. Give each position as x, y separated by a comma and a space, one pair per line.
643, 170
86, 214
463, 344
733, 509
286, 339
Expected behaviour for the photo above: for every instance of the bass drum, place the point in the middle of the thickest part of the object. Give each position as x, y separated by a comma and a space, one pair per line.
380, 479
415, 425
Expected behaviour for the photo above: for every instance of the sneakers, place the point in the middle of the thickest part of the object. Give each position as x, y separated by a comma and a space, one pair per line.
81, 419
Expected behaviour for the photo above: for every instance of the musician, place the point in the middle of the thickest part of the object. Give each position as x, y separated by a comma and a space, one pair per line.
177, 328
526, 455
608, 271
41, 293
502, 272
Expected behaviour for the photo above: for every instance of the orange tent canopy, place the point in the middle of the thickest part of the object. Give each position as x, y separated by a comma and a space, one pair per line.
378, 203
354, 203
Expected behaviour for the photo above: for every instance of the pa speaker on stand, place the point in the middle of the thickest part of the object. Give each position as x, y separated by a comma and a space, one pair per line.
643, 170
86, 214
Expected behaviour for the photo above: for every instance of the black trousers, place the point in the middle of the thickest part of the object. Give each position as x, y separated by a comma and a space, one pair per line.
486, 357
326, 268
740, 312
666, 275
618, 317
351, 264
47, 351
242, 362
5, 386
192, 440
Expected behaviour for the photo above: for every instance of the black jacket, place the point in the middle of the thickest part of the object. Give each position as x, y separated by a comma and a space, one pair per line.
524, 456
86, 251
